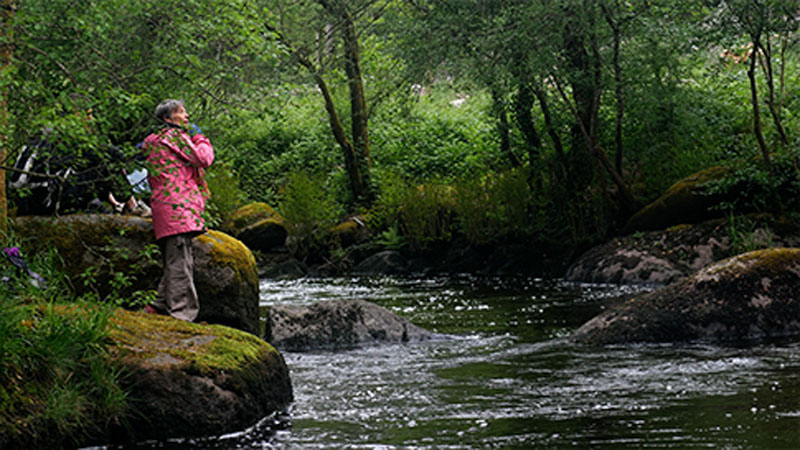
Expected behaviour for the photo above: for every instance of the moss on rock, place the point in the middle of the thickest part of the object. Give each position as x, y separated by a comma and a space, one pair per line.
108, 246
186, 379
681, 203
248, 215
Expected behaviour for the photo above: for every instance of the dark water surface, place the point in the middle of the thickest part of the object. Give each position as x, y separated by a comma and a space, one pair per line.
509, 379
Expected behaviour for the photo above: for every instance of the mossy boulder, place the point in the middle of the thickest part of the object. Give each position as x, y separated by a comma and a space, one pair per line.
683, 202
96, 248
187, 380
351, 231
258, 226
746, 298
338, 324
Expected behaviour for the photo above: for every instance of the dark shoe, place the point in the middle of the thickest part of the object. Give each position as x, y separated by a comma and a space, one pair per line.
150, 309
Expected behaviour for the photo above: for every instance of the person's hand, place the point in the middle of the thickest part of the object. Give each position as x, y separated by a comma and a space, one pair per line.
194, 130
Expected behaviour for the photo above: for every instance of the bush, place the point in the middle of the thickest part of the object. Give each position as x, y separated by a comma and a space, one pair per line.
308, 211
494, 207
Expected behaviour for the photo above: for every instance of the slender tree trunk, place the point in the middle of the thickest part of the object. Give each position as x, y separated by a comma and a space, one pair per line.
751, 74
544, 104
523, 106
358, 101
503, 129
351, 160
766, 64
6, 33
616, 34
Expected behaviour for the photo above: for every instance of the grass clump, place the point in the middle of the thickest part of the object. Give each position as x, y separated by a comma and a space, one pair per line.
57, 385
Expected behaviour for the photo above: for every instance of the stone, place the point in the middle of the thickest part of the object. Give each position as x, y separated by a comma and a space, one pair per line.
339, 324
190, 380
94, 248
258, 226
747, 298
683, 202
387, 262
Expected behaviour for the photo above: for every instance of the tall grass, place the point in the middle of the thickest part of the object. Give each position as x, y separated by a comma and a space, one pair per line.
57, 383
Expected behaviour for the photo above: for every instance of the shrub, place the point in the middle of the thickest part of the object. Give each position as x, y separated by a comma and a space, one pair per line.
308, 211
494, 206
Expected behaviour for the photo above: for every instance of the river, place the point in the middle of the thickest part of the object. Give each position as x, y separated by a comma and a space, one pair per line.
510, 379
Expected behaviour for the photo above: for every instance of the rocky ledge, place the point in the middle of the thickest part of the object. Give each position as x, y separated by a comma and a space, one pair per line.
749, 297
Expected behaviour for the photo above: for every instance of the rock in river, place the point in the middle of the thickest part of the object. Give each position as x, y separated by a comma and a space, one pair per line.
338, 324
186, 380
749, 297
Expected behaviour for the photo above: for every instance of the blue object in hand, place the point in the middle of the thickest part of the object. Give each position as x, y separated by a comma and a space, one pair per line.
194, 129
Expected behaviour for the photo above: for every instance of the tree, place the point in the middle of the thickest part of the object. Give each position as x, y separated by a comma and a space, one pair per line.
6, 48
338, 17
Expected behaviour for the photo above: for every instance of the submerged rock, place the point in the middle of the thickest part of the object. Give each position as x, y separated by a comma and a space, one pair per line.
189, 380
751, 296
338, 324
96, 248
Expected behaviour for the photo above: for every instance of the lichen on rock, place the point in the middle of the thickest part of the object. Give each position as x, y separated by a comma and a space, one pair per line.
748, 297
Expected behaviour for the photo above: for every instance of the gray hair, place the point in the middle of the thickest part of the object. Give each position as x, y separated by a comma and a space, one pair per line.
165, 109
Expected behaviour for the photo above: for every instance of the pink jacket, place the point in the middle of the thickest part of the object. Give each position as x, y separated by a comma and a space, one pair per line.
175, 163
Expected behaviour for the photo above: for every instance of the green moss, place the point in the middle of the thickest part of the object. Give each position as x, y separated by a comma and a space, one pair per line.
230, 252
142, 340
249, 214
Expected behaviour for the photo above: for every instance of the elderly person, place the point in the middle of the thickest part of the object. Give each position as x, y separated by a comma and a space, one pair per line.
175, 161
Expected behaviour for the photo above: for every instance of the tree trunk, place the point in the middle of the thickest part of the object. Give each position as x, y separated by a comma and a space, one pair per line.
522, 108
352, 166
358, 101
544, 104
766, 64
503, 130
616, 34
751, 74
6, 33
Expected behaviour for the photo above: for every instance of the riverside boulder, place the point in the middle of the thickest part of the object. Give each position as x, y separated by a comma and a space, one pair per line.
190, 380
115, 255
749, 297
258, 226
338, 324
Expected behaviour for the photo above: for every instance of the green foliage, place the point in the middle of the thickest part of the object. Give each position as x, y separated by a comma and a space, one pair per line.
749, 188
226, 196
121, 269
308, 211
747, 234
494, 207
56, 381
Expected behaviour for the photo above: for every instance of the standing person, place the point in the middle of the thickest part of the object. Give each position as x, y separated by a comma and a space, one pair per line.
175, 161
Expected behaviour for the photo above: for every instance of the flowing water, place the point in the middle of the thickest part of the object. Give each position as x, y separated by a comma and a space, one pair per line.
510, 379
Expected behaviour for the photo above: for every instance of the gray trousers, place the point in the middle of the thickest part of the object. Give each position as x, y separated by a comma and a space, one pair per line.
176, 292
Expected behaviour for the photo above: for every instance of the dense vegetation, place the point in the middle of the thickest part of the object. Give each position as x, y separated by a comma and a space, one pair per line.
491, 121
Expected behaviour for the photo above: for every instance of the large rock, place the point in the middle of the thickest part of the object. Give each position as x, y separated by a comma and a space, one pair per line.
749, 297
657, 257
186, 380
114, 256
338, 324
258, 226
661, 257
684, 202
